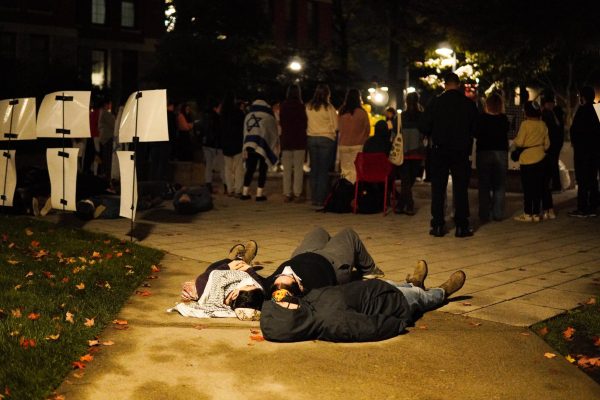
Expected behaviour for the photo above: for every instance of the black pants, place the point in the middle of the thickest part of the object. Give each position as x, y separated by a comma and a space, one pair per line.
252, 161
549, 164
532, 179
554, 172
408, 172
444, 161
586, 174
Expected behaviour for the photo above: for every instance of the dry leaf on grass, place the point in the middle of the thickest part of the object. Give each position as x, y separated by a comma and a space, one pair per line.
13, 262
16, 313
549, 355
96, 254
35, 243
26, 343
28, 232
81, 286
154, 269
543, 331
30, 273
86, 358
568, 333
78, 365
93, 342
570, 359
69, 317
52, 337
33, 316
120, 322
588, 362
89, 322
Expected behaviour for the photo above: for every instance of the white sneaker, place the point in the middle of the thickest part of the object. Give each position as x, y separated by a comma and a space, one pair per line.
536, 218
47, 207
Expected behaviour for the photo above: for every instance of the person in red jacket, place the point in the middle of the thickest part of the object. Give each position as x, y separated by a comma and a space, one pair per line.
292, 118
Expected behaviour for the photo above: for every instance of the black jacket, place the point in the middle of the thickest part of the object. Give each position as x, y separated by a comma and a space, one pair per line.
361, 311
449, 121
232, 132
314, 270
585, 129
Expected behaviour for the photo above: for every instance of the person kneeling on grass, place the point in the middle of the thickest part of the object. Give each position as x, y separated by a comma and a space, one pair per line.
360, 311
228, 288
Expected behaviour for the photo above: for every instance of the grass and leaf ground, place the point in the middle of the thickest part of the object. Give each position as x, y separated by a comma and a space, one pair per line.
59, 288
576, 335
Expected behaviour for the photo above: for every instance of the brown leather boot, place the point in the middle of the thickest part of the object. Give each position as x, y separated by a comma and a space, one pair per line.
454, 283
419, 275
236, 252
250, 252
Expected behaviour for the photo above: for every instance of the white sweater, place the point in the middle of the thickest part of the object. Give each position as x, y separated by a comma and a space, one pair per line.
322, 122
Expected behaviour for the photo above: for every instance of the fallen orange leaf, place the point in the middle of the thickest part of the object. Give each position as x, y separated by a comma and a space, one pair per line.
568, 333
154, 268
65, 279
13, 262
89, 322
28, 232
59, 254
18, 287
52, 337
26, 343
143, 293
30, 273
569, 358
108, 343
257, 338
119, 254
81, 286
549, 355
107, 241
69, 317
255, 331
78, 375
596, 340
11, 245
48, 274
93, 342
96, 254
41, 253
33, 316
56, 396
86, 358
543, 331
120, 322
78, 365
35, 243
591, 301
587, 362
16, 313
108, 256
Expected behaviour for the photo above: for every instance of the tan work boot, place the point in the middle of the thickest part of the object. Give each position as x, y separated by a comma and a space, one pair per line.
250, 252
419, 275
454, 283
236, 252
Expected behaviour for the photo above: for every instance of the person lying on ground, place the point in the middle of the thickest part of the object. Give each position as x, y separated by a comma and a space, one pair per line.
228, 288
360, 311
108, 206
322, 260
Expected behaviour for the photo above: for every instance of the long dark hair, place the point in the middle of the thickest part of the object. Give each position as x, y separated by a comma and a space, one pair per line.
320, 98
351, 102
248, 299
412, 103
294, 93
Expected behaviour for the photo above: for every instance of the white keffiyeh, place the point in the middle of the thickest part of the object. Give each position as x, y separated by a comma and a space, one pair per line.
211, 303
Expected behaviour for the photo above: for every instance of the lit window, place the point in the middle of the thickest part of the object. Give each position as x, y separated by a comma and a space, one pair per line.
98, 68
127, 14
99, 12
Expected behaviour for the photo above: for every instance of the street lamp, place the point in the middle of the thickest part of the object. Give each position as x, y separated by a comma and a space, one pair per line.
378, 95
295, 66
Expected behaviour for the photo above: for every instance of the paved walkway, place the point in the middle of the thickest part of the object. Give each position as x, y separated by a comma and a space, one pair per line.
474, 347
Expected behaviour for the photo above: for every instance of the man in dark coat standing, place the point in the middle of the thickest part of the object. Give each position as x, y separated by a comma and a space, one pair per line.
449, 123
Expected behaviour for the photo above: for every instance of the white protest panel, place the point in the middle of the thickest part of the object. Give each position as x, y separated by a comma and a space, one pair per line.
18, 118
129, 190
151, 108
597, 108
76, 115
8, 177
62, 191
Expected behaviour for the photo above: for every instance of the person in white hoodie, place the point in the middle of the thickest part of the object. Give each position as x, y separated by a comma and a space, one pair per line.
260, 140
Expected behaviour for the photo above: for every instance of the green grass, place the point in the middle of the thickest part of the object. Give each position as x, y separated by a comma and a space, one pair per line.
32, 282
586, 322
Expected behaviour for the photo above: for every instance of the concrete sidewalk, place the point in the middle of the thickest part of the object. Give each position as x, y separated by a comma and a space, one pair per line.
475, 347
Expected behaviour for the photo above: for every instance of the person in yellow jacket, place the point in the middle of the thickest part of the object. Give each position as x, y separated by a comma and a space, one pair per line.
533, 137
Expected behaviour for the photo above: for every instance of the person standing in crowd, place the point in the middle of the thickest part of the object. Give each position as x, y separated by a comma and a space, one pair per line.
449, 123
533, 137
185, 126
354, 131
159, 153
414, 153
321, 136
492, 158
556, 136
585, 139
211, 143
260, 140
106, 130
293, 122
232, 137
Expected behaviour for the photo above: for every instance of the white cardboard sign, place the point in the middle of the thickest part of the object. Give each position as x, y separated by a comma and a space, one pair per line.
76, 115
148, 110
17, 117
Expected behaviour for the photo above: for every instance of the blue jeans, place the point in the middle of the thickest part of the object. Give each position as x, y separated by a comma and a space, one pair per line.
419, 300
322, 152
491, 171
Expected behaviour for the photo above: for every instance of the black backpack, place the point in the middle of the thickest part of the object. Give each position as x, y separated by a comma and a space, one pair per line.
370, 197
339, 199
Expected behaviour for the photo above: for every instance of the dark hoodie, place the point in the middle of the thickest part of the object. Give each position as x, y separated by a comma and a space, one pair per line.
361, 311
380, 142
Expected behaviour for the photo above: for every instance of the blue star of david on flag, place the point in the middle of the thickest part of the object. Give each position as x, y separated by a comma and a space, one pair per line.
253, 122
